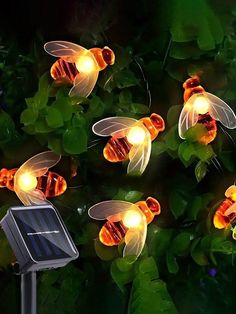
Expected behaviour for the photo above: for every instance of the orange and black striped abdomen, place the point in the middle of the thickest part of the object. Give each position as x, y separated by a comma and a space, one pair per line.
117, 149
112, 233
63, 71
51, 184
220, 220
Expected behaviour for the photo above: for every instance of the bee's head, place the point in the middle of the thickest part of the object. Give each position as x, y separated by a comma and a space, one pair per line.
153, 205
191, 82
108, 55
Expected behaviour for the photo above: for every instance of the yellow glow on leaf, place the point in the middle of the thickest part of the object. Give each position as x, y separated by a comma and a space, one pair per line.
136, 135
27, 182
132, 219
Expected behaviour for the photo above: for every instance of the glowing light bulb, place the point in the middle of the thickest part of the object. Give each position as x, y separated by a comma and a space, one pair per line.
27, 182
233, 197
132, 219
85, 64
201, 105
136, 135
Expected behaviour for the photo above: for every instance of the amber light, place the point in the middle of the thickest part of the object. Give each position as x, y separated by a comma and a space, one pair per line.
132, 219
136, 135
201, 105
85, 64
27, 182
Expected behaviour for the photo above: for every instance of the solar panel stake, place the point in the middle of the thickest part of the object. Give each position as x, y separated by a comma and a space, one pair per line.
28, 293
40, 241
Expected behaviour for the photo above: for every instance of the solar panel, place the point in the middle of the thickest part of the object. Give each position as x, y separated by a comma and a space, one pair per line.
38, 237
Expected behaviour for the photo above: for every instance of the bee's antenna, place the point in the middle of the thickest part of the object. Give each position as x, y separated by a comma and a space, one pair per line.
228, 135
217, 165
149, 96
94, 143
166, 53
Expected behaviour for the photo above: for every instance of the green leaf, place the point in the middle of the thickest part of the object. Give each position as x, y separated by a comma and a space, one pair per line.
105, 253
54, 118
178, 203
75, 140
122, 272
148, 266
55, 144
139, 108
172, 139
181, 243
200, 170
194, 133
158, 148
125, 96
173, 115
41, 97
63, 105
197, 253
133, 196
171, 262
41, 126
28, 117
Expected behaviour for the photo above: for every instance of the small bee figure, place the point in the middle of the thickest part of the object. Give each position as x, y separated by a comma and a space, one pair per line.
205, 108
226, 211
32, 182
131, 139
125, 221
77, 65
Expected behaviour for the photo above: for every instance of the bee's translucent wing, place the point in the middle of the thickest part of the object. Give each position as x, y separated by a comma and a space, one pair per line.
220, 111
64, 49
38, 165
35, 197
135, 238
107, 209
188, 117
234, 233
139, 155
112, 125
84, 84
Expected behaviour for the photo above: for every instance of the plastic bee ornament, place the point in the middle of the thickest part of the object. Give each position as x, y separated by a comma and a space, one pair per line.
32, 182
130, 139
205, 108
225, 214
125, 221
77, 65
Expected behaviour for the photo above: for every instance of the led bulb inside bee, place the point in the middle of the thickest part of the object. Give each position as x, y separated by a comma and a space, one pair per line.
132, 219
27, 182
201, 105
233, 197
136, 135
85, 64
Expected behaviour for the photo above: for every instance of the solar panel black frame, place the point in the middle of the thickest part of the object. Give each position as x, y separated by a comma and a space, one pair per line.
36, 248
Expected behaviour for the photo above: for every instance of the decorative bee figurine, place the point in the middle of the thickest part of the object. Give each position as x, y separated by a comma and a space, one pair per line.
226, 212
77, 65
131, 139
205, 108
125, 221
32, 182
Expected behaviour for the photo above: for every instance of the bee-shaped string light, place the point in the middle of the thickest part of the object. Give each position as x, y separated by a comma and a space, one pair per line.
130, 139
125, 222
205, 108
77, 65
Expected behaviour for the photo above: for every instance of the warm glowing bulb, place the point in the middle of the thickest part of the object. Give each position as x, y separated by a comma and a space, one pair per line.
136, 135
132, 219
27, 182
233, 197
85, 64
201, 105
